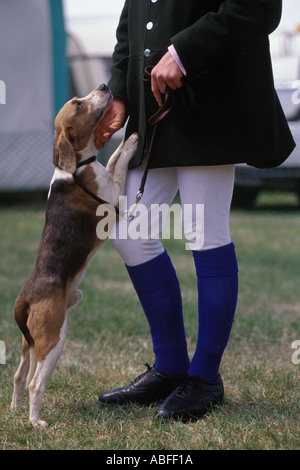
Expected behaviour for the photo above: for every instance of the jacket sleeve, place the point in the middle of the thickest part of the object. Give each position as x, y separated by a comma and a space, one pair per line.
226, 34
117, 82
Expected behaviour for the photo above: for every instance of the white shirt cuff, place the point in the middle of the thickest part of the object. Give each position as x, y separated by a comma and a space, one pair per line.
175, 56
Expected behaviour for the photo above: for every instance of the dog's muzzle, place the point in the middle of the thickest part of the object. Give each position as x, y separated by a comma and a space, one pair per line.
103, 87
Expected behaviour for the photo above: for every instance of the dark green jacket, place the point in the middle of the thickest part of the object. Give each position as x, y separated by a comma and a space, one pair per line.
224, 48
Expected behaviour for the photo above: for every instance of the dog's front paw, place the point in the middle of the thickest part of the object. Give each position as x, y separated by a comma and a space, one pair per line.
134, 137
131, 143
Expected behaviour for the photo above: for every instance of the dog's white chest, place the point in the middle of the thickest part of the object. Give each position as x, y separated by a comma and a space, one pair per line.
59, 175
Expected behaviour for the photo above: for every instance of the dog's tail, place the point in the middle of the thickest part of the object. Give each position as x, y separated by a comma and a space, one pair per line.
21, 316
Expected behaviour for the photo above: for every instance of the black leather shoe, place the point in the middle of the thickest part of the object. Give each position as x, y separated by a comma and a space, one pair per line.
191, 400
149, 387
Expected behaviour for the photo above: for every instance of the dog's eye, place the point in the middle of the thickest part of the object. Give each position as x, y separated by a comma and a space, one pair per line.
78, 103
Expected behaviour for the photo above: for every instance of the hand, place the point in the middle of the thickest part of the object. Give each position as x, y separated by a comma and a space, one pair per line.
111, 123
165, 73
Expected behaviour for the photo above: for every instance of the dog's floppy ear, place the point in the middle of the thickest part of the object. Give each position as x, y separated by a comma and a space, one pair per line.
65, 144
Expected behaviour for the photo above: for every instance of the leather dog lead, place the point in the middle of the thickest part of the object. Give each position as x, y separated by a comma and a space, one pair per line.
188, 102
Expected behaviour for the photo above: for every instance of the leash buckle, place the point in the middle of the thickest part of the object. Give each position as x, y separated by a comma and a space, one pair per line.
130, 214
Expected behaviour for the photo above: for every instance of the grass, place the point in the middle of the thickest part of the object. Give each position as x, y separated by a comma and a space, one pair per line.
108, 342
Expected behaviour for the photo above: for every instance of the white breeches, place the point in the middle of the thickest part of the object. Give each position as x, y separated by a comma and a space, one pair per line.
205, 195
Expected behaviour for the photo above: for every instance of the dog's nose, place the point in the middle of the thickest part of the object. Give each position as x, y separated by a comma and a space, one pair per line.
102, 87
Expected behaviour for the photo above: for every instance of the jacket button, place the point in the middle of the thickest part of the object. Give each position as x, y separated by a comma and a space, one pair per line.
153, 1
147, 52
149, 25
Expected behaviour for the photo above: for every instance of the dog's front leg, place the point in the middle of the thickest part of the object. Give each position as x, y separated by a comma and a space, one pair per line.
111, 181
120, 172
111, 164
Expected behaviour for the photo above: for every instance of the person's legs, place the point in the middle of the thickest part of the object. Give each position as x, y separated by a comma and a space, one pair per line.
216, 269
155, 281
215, 262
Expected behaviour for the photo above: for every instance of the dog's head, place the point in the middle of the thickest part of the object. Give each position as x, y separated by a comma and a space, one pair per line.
75, 124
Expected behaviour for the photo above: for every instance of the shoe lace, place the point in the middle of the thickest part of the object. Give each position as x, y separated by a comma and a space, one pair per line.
149, 368
184, 388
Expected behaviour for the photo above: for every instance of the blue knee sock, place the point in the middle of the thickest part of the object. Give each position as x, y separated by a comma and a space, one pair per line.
217, 277
157, 287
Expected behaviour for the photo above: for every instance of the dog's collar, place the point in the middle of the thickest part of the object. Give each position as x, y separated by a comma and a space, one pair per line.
83, 186
86, 162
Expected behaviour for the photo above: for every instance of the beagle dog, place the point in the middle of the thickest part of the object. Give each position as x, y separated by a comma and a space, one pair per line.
68, 242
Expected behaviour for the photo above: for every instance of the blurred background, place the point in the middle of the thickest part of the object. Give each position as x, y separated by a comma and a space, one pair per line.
52, 50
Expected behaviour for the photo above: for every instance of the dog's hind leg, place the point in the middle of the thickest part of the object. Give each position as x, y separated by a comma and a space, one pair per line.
20, 377
21, 316
49, 340
40, 379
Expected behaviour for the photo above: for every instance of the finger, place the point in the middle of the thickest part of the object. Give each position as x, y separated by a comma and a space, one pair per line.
162, 85
101, 139
174, 83
105, 137
156, 93
171, 85
155, 87
98, 144
102, 132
